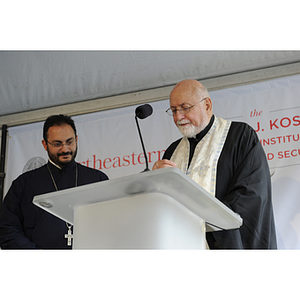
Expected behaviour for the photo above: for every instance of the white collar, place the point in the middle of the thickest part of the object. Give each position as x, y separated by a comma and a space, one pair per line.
54, 164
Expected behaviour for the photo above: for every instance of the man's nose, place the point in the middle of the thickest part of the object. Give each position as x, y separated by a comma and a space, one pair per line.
64, 147
178, 114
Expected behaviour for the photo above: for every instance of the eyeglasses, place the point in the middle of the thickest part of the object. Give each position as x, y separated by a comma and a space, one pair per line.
182, 109
68, 143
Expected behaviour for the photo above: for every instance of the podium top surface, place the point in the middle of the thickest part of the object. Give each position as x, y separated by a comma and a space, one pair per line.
169, 181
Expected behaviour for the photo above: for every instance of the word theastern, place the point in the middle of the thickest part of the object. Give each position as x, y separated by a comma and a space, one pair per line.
285, 122
284, 154
124, 161
280, 139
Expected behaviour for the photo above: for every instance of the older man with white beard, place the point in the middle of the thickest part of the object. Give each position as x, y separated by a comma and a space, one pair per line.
227, 159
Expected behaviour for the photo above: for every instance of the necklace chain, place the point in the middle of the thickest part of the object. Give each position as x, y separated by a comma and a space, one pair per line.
76, 182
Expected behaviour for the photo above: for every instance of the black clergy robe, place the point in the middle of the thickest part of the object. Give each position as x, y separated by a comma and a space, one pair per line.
23, 225
243, 183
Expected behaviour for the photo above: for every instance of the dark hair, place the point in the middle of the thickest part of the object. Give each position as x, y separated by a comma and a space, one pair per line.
57, 120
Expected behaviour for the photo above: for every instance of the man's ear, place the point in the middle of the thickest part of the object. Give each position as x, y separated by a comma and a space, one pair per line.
208, 106
45, 145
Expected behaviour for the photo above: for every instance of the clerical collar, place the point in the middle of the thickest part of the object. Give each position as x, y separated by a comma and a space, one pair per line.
69, 166
202, 133
57, 166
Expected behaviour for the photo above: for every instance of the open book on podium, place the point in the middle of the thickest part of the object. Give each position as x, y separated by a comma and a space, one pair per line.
160, 209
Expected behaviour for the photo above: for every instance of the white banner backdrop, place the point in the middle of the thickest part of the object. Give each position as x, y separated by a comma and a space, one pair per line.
109, 141
272, 108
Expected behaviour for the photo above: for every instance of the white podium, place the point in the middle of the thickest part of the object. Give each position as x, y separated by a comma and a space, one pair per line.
161, 209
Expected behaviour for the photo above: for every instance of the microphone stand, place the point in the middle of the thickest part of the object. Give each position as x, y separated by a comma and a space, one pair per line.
137, 123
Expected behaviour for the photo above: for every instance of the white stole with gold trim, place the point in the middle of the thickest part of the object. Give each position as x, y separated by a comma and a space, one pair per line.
203, 167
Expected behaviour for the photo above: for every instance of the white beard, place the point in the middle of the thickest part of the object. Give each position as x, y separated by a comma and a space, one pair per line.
188, 130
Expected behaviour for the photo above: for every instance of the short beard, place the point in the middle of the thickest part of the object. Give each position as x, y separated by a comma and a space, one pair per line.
55, 158
188, 130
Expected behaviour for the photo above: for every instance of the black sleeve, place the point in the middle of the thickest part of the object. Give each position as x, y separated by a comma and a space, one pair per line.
244, 185
11, 228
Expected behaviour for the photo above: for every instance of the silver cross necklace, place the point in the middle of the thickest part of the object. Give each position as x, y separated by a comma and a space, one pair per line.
69, 235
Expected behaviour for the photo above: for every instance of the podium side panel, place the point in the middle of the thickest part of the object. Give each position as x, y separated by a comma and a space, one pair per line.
144, 221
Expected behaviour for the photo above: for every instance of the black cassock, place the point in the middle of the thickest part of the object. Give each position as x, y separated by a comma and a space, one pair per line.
26, 226
244, 185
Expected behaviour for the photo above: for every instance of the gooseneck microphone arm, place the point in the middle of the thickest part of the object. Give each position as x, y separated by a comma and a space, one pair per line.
145, 154
143, 112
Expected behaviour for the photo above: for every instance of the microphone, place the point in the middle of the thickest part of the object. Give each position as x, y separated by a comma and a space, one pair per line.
142, 112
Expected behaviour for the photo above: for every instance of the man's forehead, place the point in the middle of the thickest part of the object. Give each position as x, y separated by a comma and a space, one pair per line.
64, 129
183, 96
181, 100
182, 104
